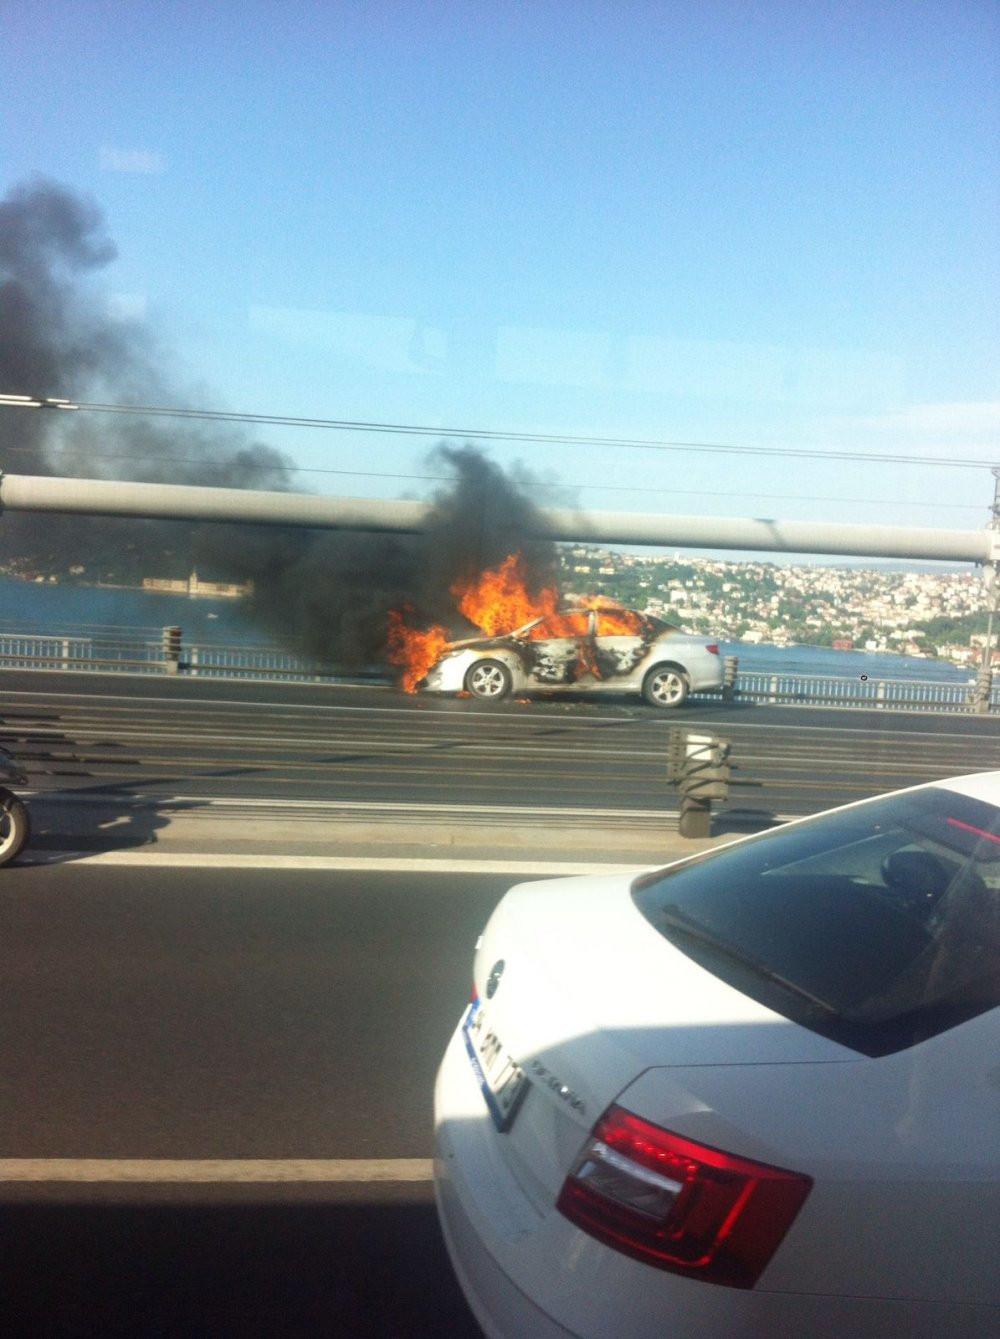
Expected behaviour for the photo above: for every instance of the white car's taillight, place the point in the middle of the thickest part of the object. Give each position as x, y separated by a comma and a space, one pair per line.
677, 1204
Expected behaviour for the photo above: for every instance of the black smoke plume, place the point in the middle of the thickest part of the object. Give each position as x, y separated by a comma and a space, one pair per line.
58, 340
330, 592
326, 592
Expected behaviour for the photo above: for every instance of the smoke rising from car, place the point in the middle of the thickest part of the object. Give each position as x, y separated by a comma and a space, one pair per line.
325, 592
330, 592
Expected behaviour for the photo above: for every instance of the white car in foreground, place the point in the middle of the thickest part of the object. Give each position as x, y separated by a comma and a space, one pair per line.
754, 1093
595, 650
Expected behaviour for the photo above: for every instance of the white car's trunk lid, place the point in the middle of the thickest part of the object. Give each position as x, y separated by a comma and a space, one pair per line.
582, 993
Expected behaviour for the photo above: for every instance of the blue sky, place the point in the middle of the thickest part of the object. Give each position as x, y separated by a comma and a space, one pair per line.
765, 225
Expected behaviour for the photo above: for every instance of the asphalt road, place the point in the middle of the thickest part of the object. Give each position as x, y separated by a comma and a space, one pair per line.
370, 753
230, 1013
223, 1021
234, 1271
200, 1019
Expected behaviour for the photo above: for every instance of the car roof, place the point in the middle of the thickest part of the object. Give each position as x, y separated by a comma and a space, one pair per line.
561, 612
609, 608
977, 785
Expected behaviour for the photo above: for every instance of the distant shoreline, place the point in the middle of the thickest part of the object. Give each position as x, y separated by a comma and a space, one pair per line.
49, 583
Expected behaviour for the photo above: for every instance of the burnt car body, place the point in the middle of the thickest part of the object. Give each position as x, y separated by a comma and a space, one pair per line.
611, 650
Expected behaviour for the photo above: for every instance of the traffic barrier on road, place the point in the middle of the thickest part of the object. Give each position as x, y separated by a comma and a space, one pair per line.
171, 642
982, 693
731, 667
698, 764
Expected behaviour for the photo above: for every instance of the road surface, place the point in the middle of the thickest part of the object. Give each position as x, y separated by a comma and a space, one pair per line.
245, 1063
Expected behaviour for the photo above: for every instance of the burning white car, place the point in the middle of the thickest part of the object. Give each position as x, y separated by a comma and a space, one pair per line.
595, 650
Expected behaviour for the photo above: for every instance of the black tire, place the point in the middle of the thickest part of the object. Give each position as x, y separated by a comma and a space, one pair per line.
489, 680
666, 686
15, 826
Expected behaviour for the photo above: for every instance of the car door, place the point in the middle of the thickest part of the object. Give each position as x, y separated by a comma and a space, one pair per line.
622, 642
558, 649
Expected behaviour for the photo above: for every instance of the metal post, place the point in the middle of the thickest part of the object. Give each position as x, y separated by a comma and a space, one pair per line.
984, 678
984, 675
695, 817
699, 765
729, 673
171, 646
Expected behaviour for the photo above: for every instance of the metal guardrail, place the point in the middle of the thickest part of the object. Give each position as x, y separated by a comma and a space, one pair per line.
146, 654
39, 651
151, 655
913, 694
234, 662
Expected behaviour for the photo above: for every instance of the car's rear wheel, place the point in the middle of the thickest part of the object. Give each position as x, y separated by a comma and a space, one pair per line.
665, 686
15, 826
489, 680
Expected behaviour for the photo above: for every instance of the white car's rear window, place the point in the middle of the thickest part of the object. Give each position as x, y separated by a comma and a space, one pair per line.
878, 926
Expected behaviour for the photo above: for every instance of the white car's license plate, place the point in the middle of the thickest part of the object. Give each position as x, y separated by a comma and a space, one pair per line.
502, 1080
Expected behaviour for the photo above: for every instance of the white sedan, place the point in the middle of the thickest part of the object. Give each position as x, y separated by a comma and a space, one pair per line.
755, 1093
584, 651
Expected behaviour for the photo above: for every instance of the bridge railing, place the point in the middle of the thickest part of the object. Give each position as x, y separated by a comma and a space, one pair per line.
255, 662
76, 651
830, 690
149, 651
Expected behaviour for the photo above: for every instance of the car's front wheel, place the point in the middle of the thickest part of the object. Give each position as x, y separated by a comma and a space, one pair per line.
15, 826
665, 686
488, 680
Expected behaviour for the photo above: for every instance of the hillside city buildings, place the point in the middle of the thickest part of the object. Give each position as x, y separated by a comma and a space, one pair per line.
938, 614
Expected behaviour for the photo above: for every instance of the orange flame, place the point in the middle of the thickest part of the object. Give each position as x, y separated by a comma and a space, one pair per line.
496, 602
499, 601
414, 650
617, 622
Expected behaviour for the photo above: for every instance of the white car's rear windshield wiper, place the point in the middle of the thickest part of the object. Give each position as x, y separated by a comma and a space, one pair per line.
675, 919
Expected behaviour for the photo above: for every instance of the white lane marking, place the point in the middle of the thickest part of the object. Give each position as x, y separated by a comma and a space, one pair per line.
372, 752
137, 704
375, 864
518, 720
422, 808
217, 1171
735, 727
275, 744
509, 719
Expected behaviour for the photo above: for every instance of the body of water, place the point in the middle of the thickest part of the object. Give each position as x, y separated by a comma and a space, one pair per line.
823, 660
45, 607
30, 606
